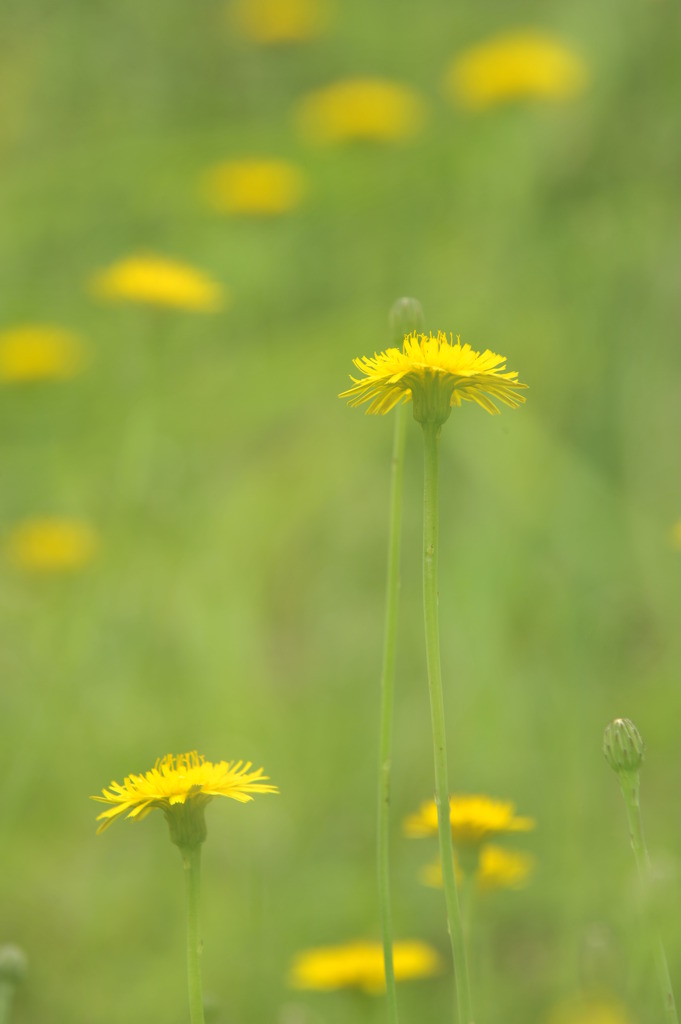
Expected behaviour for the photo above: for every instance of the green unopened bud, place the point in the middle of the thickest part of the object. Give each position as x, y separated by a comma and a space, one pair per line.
406, 317
13, 965
622, 746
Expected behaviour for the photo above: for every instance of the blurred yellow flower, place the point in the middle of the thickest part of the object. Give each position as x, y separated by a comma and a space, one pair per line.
676, 535
272, 22
474, 819
588, 1009
516, 65
180, 785
497, 868
160, 282
360, 965
36, 352
51, 545
436, 375
258, 187
360, 108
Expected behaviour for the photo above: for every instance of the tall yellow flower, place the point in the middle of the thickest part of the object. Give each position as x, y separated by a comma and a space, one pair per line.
473, 819
274, 22
181, 785
254, 187
435, 374
360, 965
39, 352
159, 282
370, 109
496, 868
51, 545
516, 65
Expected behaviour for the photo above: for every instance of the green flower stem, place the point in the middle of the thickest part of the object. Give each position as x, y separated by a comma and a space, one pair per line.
431, 436
629, 783
387, 702
191, 858
6, 999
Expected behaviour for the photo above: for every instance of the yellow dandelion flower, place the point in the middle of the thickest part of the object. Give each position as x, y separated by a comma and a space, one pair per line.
588, 1009
51, 545
255, 187
516, 65
474, 819
273, 22
361, 109
360, 965
497, 868
676, 535
37, 352
435, 374
181, 785
159, 282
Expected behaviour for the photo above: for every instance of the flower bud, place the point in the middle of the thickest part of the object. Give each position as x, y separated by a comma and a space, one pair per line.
622, 746
405, 317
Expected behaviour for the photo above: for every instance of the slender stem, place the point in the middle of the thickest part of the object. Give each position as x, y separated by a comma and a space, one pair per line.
387, 702
431, 436
6, 999
191, 857
629, 782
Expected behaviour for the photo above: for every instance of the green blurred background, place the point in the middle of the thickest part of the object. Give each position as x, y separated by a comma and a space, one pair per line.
236, 604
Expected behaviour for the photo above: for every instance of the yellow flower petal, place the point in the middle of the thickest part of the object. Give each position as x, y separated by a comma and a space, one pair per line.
160, 282
360, 965
256, 187
474, 819
517, 65
181, 779
51, 545
37, 352
273, 22
360, 109
436, 375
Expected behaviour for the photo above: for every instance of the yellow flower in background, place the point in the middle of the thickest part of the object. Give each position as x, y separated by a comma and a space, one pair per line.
159, 282
51, 545
517, 65
436, 374
257, 187
360, 109
590, 1009
474, 819
38, 352
676, 535
360, 965
181, 785
497, 868
273, 22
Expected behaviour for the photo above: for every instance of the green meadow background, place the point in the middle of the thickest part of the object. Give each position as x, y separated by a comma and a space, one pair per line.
236, 604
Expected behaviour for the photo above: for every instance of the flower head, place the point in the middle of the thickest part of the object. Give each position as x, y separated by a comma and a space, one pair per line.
361, 109
623, 747
496, 868
435, 374
254, 187
474, 819
273, 22
159, 282
37, 352
516, 65
181, 785
360, 965
51, 545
